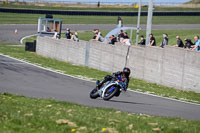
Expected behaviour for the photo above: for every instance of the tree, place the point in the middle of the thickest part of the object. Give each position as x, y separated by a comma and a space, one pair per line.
195, 1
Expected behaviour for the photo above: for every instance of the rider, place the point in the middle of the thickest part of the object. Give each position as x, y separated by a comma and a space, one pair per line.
124, 77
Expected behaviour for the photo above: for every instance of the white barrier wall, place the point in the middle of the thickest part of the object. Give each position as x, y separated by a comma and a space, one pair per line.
170, 66
62, 49
106, 57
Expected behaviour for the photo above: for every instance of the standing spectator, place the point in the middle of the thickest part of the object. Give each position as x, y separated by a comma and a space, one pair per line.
48, 29
113, 39
126, 39
188, 43
165, 41
75, 37
196, 45
68, 34
143, 41
125, 35
97, 35
120, 22
55, 34
152, 40
179, 42
120, 36
98, 4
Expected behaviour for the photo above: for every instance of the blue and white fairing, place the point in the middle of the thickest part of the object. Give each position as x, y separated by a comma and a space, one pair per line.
108, 84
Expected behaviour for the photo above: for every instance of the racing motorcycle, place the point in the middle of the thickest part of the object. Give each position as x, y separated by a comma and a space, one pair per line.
109, 89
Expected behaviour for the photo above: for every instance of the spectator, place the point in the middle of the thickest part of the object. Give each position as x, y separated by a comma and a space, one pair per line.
165, 41
48, 29
143, 41
126, 39
179, 42
188, 43
113, 39
120, 22
152, 40
74, 37
55, 34
98, 4
125, 35
196, 45
68, 34
120, 36
97, 35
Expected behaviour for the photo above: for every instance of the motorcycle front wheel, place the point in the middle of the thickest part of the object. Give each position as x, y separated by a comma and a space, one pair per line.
110, 92
94, 93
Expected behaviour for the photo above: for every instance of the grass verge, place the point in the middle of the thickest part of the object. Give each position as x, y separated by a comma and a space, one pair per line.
29, 39
28, 115
21, 18
62, 6
82, 71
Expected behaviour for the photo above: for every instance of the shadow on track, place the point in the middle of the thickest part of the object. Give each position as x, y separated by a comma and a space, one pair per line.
125, 102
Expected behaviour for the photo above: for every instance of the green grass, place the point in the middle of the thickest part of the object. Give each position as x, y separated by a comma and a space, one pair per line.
29, 39
19, 114
20, 18
67, 68
63, 7
92, 8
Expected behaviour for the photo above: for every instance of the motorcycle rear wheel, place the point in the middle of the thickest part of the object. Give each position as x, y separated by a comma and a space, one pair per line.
94, 93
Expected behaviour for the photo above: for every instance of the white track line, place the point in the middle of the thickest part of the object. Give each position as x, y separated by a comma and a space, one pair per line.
21, 40
48, 69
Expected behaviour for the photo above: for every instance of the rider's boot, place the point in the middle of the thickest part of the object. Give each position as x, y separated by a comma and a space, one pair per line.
98, 84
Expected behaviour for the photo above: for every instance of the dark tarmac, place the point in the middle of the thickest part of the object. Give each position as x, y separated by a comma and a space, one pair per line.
24, 79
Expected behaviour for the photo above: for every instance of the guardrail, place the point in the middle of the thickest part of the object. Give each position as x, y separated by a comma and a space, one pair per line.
96, 13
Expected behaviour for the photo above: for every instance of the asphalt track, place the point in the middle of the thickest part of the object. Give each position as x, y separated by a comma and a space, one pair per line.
25, 79
7, 30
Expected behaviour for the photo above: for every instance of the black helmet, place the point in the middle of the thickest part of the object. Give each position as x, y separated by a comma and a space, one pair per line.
126, 71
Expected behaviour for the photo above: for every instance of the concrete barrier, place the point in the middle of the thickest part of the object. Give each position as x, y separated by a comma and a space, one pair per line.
62, 49
171, 66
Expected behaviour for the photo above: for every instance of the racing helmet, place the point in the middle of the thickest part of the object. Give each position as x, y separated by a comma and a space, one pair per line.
126, 71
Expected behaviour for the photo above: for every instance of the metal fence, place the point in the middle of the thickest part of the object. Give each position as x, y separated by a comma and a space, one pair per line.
96, 13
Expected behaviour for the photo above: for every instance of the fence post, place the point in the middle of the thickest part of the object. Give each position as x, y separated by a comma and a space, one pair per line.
87, 53
138, 23
127, 56
149, 21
